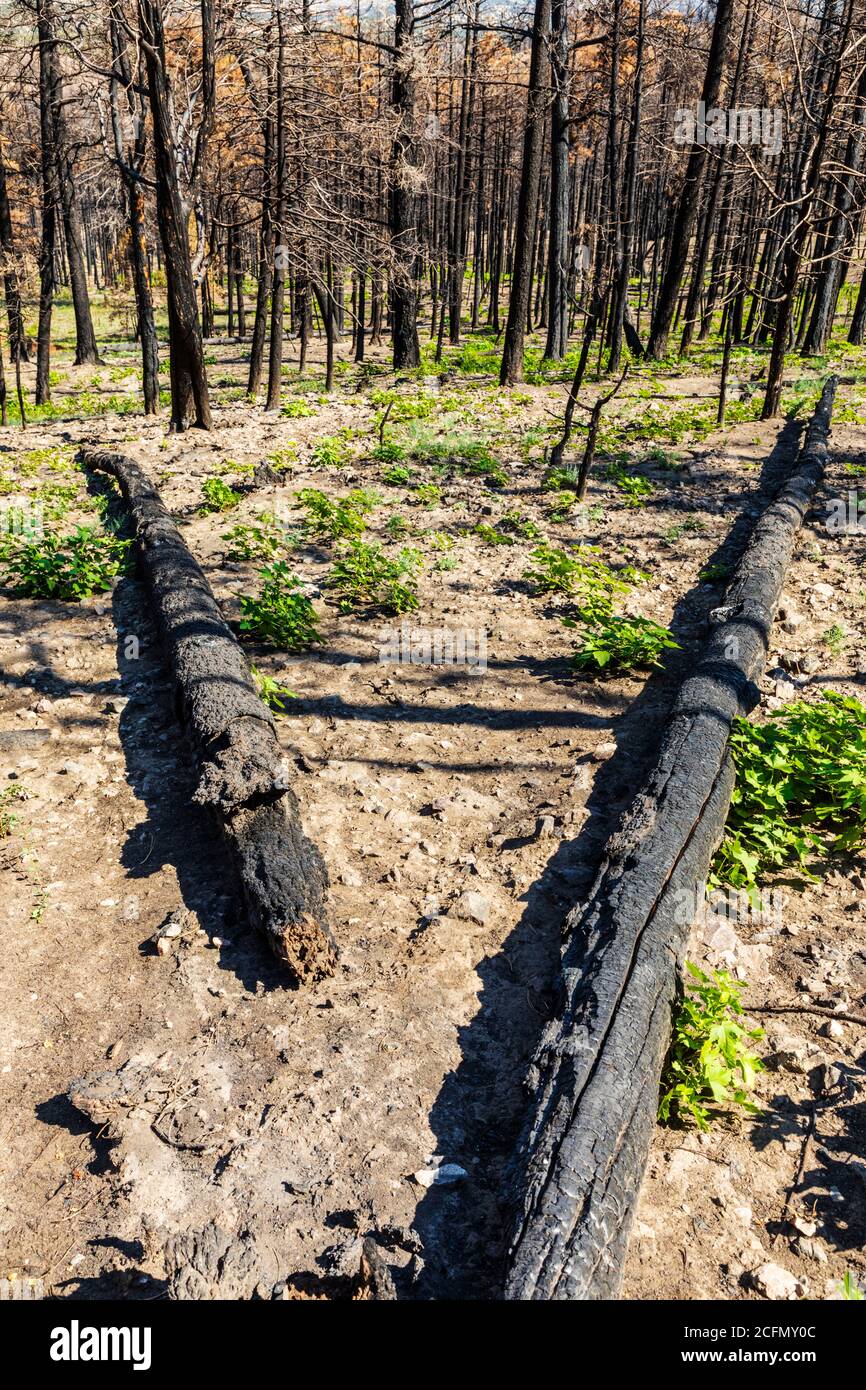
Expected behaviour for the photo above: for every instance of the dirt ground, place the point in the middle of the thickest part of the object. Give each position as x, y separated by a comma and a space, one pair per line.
459, 813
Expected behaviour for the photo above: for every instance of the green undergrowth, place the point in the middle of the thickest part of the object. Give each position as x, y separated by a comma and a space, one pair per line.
800, 793
711, 1067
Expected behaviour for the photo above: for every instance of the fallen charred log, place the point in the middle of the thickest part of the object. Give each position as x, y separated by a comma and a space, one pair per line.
595, 1074
242, 775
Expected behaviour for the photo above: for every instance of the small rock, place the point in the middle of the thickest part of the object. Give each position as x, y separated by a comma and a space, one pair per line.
834, 1029
603, 750
774, 1282
473, 906
545, 827
810, 1249
803, 1226
444, 1176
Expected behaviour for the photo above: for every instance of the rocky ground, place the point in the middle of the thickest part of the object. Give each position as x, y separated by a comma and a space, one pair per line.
146, 1096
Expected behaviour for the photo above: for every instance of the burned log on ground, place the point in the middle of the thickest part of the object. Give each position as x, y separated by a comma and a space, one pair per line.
594, 1078
241, 772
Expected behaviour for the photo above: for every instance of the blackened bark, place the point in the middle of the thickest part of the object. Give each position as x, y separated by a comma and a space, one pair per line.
48, 239
681, 232
401, 194
17, 337
559, 214
595, 1074
511, 368
242, 773
189, 391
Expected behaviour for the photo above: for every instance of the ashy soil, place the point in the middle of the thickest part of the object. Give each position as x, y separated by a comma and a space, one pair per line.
460, 813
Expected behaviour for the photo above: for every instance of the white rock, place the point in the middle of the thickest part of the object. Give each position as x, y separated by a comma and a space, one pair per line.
473, 906
444, 1176
773, 1281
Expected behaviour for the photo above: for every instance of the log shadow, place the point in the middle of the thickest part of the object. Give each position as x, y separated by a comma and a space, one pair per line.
477, 1117
833, 1184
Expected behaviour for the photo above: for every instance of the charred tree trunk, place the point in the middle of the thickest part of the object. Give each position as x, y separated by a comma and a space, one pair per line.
681, 232
511, 368
595, 1073
189, 390
17, 337
401, 197
560, 144
130, 164
48, 239
242, 774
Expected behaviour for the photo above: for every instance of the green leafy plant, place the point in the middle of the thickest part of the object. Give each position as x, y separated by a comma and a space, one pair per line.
710, 1064
427, 495
8, 817
711, 574
363, 576
635, 488
264, 539
565, 478
850, 1289
515, 523
330, 452
578, 573
272, 693
295, 410
281, 615
390, 452
218, 496
491, 536
398, 476
70, 567
835, 639
621, 644
340, 519
800, 790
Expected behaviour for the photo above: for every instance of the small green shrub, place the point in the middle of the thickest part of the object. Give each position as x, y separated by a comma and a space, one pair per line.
621, 644
398, 476
8, 817
390, 452
70, 567
340, 519
272, 693
330, 452
427, 495
264, 539
281, 615
218, 496
709, 1064
515, 523
363, 576
295, 410
800, 790
491, 536
578, 573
